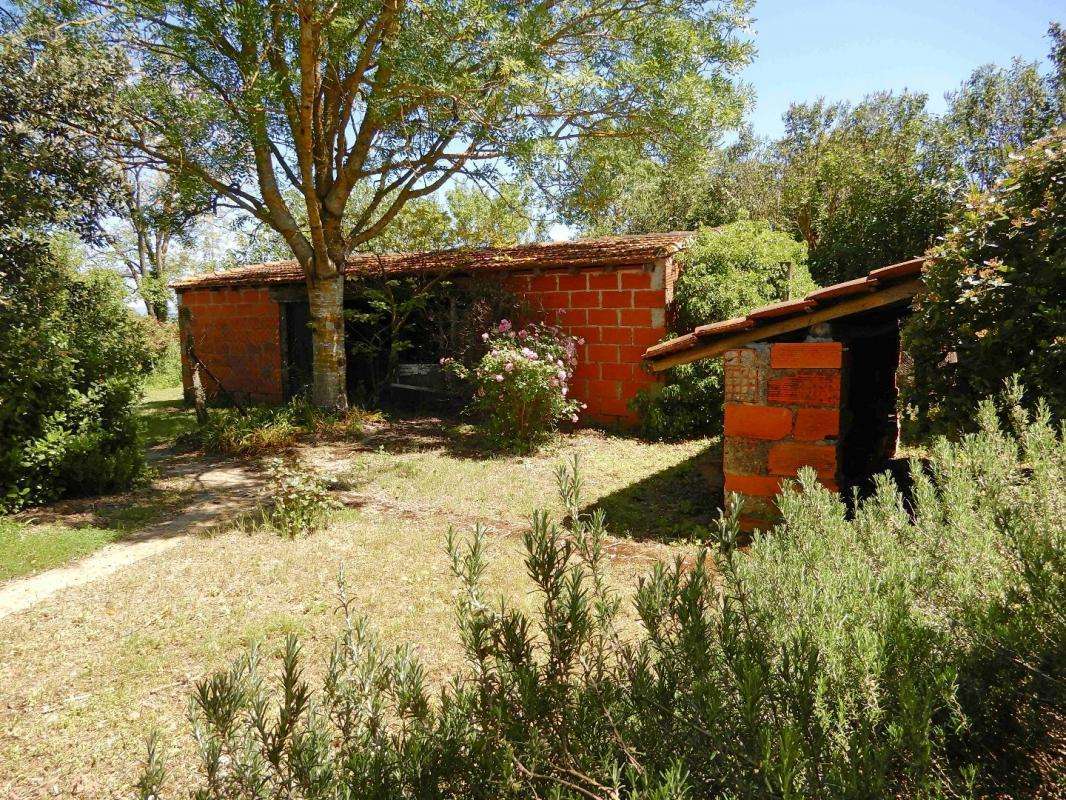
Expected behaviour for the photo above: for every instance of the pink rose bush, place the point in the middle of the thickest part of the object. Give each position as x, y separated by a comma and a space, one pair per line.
520, 386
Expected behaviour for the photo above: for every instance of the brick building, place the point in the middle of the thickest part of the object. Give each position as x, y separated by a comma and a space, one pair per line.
808, 382
249, 325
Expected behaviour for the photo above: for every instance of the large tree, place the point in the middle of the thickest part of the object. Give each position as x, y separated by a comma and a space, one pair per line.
156, 219
256, 96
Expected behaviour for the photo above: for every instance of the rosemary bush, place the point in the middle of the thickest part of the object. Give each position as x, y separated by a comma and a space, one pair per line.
914, 650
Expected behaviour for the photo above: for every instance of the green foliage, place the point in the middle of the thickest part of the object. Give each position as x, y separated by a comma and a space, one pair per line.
864, 186
71, 354
911, 651
996, 112
299, 500
993, 304
26, 549
258, 430
725, 272
519, 386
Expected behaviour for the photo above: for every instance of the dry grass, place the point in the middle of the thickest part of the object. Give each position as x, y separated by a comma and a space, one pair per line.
90, 672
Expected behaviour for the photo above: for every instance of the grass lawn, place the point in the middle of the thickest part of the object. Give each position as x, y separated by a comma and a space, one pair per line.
91, 671
26, 549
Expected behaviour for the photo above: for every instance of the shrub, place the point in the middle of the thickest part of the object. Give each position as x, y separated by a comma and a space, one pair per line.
725, 272
72, 361
915, 650
299, 502
994, 300
520, 384
257, 430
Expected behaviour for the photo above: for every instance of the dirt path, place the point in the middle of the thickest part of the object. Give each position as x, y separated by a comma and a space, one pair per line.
222, 491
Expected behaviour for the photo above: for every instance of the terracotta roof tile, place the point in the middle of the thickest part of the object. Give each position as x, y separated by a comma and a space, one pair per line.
754, 321
725, 326
671, 345
782, 309
606, 251
845, 289
901, 270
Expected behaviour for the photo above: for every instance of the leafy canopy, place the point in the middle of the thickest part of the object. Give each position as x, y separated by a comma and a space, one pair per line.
255, 96
993, 304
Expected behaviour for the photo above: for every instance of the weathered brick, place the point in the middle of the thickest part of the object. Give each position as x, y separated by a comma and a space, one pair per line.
573, 282
616, 335
637, 317
617, 299
816, 423
604, 390
544, 283
631, 352
649, 298
742, 456
757, 485
554, 300
805, 389
810, 355
617, 372
573, 316
745, 375
786, 458
588, 333
603, 280
757, 421
646, 337
636, 280
603, 316
603, 352
585, 299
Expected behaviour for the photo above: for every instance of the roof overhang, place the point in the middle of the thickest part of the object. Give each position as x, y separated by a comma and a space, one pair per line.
889, 286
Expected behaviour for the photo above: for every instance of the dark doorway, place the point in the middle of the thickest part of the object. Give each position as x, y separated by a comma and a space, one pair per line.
871, 428
297, 357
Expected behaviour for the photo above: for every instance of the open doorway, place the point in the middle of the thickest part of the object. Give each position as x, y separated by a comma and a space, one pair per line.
871, 418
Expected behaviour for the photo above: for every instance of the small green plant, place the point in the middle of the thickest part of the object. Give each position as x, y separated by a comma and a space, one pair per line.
521, 384
299, 502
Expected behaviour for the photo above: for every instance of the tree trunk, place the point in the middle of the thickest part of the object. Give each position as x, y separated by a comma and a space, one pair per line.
329, 385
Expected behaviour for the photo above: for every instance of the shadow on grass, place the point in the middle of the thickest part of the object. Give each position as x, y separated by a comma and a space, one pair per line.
680, 502
163, 420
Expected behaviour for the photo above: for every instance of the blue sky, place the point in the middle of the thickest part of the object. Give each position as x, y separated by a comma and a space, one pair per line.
842, 50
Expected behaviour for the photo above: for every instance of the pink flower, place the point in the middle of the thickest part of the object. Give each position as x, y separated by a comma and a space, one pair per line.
505, 325
573, 417
522, 334
498, 378
580, 341
484, 337
561, 373
565, 391
583, 406
508, 366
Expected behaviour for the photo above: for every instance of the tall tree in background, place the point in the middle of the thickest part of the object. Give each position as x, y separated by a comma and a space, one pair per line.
254, 96
864, 185
155, 216
1000, 111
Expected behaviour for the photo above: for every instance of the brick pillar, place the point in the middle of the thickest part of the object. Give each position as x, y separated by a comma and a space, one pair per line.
782, 412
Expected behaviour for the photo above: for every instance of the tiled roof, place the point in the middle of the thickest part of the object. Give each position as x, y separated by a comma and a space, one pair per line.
767, 321
605, 251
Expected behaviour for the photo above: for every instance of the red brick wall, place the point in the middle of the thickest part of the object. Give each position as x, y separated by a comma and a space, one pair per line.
619, 313
782, 412
237, 334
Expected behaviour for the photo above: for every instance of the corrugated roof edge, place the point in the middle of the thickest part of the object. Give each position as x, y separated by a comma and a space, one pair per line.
775, 312
606, 251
